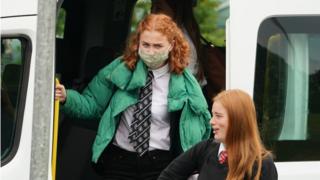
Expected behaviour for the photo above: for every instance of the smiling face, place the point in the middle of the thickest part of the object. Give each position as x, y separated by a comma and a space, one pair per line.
219, 122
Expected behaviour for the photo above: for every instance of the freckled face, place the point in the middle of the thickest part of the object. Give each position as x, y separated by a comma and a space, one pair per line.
219, 122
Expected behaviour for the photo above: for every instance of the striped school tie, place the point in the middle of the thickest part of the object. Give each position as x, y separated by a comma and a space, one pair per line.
223, 156
139, 133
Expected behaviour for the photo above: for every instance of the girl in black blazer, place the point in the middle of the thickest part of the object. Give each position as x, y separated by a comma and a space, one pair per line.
236, 132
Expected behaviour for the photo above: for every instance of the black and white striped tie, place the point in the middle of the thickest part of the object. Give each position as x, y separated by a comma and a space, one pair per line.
139, 133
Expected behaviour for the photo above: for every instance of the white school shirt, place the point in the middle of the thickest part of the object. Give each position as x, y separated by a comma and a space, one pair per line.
160, 118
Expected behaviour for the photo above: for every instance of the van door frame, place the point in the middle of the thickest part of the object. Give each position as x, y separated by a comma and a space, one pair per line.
40, 167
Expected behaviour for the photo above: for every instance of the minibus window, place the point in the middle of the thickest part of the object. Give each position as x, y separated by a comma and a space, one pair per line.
287, 87
12, 63
61, 18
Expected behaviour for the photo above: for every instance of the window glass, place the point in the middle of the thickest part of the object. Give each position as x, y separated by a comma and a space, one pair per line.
61, 18
287, 87
12, 62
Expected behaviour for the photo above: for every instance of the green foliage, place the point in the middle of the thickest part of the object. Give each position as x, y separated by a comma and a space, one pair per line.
60, 23
141, 9
207, 17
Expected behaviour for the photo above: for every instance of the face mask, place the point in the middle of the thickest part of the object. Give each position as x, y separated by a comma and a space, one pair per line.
155, 60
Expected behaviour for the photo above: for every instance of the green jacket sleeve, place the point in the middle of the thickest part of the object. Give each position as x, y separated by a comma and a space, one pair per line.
94, 99
194, 127
195, 117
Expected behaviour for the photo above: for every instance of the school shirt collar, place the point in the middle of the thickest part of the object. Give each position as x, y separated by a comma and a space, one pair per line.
160, 71
221, 148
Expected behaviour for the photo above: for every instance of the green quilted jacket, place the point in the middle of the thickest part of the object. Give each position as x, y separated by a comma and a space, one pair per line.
115, 88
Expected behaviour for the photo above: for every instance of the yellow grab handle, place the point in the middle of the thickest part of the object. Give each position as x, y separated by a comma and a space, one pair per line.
55, 136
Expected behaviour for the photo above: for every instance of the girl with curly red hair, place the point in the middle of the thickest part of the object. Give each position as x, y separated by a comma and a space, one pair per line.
151, 107
164, 26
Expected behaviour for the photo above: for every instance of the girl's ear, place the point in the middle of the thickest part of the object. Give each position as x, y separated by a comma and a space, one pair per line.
172, 45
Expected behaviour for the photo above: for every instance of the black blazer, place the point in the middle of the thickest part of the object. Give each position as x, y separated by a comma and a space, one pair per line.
202, 158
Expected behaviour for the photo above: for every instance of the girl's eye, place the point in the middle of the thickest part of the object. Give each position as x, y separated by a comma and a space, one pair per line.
145, 45
217, 115
157, 46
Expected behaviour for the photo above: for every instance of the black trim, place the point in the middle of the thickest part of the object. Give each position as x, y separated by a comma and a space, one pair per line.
23, 15
206, 41
26, 60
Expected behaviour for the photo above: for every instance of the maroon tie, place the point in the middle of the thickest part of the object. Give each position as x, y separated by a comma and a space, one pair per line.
223, 157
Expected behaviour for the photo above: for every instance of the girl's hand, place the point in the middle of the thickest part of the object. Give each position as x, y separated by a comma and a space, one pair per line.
61, 93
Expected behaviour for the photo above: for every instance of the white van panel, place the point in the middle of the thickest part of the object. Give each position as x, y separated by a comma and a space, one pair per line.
242, 32
245, 19
18, 7
298, 170
19, 166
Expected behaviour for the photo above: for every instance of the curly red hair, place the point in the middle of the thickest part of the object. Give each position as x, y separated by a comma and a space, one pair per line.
179, 55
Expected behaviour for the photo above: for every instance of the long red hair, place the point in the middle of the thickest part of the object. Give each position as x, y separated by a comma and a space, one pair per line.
243, 142
178, 57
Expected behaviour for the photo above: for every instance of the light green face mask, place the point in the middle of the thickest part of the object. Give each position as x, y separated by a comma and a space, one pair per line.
155, 60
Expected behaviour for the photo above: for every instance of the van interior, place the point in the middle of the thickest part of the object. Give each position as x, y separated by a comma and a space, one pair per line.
95, 32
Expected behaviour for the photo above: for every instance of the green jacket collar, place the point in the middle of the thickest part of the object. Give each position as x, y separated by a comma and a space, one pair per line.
182, 87
126, 79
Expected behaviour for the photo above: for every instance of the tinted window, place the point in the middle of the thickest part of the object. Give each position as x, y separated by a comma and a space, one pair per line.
287, 87
13, 60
